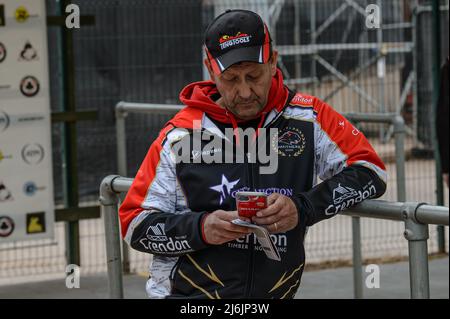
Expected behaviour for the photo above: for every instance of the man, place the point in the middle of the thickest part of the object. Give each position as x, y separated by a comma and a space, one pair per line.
181, 212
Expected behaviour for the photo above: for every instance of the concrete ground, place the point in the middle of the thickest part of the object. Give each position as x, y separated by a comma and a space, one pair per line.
394, 282
323, 284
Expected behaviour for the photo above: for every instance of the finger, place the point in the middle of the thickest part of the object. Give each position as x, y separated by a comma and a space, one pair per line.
272, 198
226, 236
226, 226
272, 209
219, 240
237, 229
274, 228
235, 215
266, 220
231, 215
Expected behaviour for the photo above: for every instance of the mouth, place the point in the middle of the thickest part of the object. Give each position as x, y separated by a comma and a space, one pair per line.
246, 103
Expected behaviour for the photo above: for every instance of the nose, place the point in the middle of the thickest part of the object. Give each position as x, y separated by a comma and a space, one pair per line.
244, 91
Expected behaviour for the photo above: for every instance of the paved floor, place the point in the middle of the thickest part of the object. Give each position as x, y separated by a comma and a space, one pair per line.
323, 284
394, 282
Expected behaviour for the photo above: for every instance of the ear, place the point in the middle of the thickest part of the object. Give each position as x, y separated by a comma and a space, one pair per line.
210, 71
273, 62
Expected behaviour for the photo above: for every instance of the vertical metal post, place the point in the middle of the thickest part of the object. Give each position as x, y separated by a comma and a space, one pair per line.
417, 235
357, 259
61, 104
313, 41
436, 27
108, 200
121, 141
414, 19
381, 70
122, 167
418, 260
297, 35
70, 142
399, 133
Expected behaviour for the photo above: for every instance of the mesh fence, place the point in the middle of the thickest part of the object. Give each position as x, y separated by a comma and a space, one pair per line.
147, 51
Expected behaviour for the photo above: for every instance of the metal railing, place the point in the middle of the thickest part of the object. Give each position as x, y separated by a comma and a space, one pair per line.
416, 217
399, 130
124, 108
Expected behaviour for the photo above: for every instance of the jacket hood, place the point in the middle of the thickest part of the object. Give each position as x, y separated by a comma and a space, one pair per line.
197, 96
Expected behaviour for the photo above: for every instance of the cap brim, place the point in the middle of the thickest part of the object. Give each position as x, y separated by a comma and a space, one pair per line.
246, 54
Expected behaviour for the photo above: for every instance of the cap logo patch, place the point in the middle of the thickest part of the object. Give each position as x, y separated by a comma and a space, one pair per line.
228, 41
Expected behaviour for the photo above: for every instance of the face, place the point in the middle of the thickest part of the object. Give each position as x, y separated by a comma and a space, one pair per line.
244, 87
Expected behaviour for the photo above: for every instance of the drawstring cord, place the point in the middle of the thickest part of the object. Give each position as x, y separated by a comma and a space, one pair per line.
236, 129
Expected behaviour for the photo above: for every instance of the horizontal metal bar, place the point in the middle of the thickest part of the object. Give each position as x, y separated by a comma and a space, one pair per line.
294, 81
123, 107
121, 184
421, 9
400, 25
170, 108
427, 214
61, 20
74, 116
369, 208
15, 247
391, 47
77, 213
377, 209
371, 117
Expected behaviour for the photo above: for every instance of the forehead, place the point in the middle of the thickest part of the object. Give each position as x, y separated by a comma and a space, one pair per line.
244, 67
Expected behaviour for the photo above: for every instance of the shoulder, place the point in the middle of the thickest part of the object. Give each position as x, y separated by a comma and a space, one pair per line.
305, 106
187, 118
305, 101
302, 100
181, 124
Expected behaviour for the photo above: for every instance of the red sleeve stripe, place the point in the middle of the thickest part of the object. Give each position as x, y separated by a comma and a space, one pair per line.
350, 141
131, 206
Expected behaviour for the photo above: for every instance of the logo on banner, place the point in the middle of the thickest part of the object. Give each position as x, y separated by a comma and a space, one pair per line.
36, 223
6, 226
29, 86
28, 53
30, 188
2, 52
3, 156
21, 14
5, 193
4, 122
2, 15
33, 154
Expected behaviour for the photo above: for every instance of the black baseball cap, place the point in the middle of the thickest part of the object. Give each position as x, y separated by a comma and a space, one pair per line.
237, 36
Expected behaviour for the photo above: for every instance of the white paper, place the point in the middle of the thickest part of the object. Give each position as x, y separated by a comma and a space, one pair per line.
263, 237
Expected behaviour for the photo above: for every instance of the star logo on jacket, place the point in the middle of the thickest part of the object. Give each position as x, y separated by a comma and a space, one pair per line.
224, 188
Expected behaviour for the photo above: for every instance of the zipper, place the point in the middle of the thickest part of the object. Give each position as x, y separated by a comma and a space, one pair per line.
174, 271
251, 243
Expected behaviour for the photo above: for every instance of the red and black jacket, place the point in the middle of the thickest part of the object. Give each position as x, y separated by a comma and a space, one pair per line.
162, 213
